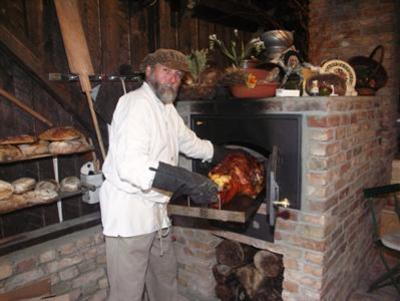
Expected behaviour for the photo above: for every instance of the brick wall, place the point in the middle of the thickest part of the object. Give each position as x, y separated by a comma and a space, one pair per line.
195, 250
74, 263
327, 245
346, 28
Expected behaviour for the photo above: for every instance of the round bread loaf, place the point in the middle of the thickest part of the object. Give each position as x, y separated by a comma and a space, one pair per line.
70, 184
6, 190
47, 184
60, 134
17, 139
22, 185
38, 148
46, 194
65, 147
9, 152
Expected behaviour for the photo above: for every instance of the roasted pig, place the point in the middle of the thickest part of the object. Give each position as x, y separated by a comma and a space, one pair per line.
239, 173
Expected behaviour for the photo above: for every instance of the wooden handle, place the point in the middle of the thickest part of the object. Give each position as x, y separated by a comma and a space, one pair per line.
78, 53
96, 124
74, 38
23, 106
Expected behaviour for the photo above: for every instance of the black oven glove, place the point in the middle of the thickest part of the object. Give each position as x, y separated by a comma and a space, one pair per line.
220, 152
181, 181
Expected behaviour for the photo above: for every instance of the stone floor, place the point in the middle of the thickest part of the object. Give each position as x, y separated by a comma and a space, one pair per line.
388, 293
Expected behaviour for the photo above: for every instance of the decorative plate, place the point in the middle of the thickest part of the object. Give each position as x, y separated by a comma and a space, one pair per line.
341, 68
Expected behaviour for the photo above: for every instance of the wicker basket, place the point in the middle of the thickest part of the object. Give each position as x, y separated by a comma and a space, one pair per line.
369, 72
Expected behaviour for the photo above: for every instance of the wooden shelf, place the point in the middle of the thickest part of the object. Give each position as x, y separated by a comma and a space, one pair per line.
47, 155
29, 199
239, 210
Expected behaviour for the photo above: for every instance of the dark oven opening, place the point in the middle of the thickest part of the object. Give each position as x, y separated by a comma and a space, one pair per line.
260, 133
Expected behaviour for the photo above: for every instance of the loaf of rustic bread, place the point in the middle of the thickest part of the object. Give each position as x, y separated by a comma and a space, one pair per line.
19, 139
60, 134
9, 152
70, 184
32, 149
23, 185
6, 190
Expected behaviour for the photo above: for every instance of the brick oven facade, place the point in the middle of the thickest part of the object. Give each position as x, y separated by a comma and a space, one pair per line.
326, 246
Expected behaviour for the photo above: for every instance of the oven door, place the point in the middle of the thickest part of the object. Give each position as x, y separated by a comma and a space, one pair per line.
239, 209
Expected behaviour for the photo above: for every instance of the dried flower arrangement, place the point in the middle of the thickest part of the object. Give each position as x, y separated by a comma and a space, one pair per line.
237, 52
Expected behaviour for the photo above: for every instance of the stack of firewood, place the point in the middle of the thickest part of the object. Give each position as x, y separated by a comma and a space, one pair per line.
246, 273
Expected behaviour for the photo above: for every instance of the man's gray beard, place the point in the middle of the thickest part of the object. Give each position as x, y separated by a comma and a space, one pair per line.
165, 93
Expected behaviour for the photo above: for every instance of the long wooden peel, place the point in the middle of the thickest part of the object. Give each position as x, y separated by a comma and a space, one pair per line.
77, 52
24, 107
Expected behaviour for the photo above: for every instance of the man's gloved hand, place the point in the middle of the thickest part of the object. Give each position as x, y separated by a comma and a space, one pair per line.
220, 152
179, 180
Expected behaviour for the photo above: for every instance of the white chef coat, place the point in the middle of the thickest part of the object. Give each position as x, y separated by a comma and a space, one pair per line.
143, 132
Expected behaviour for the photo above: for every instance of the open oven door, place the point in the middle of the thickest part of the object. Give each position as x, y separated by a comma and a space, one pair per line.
241, 208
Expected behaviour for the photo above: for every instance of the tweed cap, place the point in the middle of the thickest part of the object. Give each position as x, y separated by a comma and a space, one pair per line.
171, 58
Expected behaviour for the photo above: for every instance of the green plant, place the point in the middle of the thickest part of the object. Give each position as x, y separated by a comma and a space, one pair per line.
237, 51
197, 60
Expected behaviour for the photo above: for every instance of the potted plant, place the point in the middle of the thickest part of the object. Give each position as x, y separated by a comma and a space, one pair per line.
201, 81
237, 52
243, 79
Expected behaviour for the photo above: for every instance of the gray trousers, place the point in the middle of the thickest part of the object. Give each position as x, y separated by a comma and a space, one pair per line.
145, 262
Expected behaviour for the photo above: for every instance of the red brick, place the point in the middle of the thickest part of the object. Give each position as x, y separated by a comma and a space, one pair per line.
309, 243
290, 263
290, 286
314, 257
25, 265
317, 121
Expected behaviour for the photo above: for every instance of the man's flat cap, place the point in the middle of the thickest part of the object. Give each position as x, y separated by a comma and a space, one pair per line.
170, 58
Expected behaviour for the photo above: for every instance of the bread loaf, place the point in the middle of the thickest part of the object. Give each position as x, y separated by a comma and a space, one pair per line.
47, 184
6, 190
60, 134
46, 194
17, 139
70, 184
23, 185
9, 152
47, 189
38, 148
66, 147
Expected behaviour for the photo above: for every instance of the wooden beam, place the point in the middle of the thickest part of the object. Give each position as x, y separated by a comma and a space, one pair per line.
32, 63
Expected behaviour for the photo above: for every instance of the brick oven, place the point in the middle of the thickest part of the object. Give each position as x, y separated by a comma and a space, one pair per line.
343, 146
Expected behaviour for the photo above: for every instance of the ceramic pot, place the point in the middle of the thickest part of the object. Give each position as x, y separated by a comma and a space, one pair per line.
259, 91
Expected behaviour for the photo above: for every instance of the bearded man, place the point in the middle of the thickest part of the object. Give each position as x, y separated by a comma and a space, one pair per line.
141, 173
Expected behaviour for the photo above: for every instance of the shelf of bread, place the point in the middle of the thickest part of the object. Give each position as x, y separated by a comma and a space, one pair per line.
52, 142
83, 149
31, 198
27, 192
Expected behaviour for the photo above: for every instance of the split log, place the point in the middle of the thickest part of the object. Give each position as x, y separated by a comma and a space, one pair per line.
234, 254
232, 291
223, 273
250, 278
268, 263
268, 294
